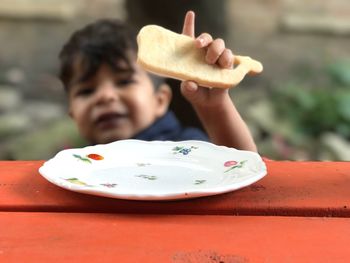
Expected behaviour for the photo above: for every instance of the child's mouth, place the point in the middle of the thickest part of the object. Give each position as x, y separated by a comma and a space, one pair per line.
110, 120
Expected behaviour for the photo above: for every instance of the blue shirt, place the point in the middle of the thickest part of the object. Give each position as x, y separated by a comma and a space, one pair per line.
168, 128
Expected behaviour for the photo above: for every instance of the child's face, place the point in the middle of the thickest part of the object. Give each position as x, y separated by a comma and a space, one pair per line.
114, 106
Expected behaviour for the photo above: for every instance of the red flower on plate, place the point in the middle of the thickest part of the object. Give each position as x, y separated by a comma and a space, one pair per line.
95, 156
230, 163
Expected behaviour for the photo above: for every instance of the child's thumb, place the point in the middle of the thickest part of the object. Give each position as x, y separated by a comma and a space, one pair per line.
189, 90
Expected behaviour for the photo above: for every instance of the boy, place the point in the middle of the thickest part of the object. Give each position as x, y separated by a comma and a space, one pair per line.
111, 98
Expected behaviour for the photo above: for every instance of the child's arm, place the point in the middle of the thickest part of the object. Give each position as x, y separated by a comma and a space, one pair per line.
214, 107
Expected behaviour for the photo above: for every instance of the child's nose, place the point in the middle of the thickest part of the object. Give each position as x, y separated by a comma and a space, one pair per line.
107, 92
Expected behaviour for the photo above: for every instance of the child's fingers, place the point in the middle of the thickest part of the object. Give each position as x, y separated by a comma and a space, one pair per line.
193, 93
188, 87
204, 40
215, 50
226, 59
188, 27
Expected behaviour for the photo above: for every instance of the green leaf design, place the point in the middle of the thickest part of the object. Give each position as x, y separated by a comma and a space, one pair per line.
81, 158
142, 164
76, 181
145, 176
197, 182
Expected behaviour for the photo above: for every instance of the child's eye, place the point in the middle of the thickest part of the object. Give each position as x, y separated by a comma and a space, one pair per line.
125, 82
85, 91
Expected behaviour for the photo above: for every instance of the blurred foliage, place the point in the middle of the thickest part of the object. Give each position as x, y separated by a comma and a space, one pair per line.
339, 72
313, 111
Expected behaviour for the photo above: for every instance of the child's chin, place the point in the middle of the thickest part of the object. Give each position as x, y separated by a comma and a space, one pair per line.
111, 137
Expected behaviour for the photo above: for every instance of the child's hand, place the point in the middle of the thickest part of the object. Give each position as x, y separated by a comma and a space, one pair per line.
214, 106
216, 53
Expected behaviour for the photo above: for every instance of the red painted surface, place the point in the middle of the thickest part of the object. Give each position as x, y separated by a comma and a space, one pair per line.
40, 222
290, 188
86, 237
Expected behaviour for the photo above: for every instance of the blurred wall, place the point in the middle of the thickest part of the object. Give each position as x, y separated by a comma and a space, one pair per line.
291, 38
33, 116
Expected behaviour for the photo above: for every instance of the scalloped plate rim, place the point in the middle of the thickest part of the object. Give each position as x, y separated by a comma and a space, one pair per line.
175, 195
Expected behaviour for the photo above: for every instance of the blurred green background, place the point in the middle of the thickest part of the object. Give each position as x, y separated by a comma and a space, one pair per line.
297, 109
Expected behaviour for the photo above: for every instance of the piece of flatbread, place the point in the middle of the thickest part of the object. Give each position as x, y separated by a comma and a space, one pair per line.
173, 55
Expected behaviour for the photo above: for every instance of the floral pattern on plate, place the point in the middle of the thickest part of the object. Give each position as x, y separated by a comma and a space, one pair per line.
89, 157
157, 170
183, 149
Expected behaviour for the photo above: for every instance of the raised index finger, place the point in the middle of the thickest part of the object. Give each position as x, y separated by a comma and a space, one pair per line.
188, 28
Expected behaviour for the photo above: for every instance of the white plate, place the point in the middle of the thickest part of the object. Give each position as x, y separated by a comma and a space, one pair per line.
158, 170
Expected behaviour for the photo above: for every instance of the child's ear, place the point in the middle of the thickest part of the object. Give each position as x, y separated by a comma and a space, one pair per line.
163, 97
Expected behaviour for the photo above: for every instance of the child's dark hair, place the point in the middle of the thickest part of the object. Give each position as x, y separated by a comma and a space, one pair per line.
106, 41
